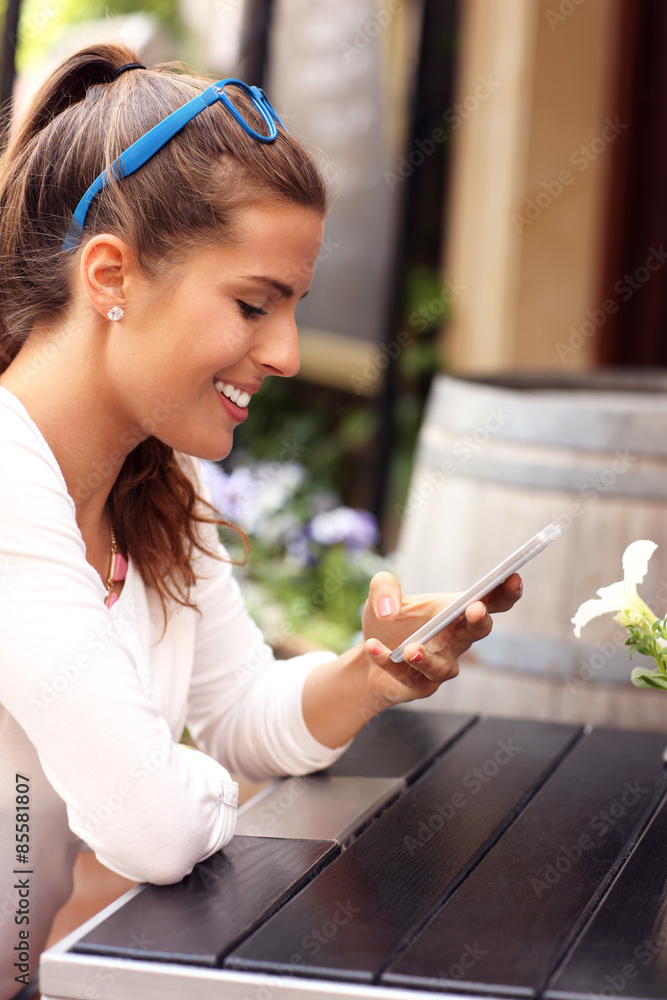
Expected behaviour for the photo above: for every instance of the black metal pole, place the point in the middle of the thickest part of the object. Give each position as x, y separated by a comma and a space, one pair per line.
8, 72
255, 41
417, 236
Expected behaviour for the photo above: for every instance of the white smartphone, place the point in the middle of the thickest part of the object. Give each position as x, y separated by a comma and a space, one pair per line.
498, 575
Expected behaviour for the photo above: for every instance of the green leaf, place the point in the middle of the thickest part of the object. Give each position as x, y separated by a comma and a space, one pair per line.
641, 677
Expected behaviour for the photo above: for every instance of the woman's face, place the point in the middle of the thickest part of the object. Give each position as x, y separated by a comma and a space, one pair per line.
189, 354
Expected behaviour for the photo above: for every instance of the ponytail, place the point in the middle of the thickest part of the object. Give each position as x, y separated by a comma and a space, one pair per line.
69, 84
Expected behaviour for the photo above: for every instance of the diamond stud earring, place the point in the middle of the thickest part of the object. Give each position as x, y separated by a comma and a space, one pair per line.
115, 313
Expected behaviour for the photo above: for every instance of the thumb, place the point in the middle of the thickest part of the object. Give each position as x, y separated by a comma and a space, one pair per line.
384, 595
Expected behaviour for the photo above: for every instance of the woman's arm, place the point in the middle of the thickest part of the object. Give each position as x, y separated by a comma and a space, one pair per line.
244, 706
74, 677
339, 697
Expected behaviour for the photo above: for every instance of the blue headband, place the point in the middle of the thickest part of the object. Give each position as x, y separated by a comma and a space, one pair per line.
148, 145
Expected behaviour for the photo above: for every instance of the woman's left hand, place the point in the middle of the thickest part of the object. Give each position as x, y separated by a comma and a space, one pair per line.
389, 617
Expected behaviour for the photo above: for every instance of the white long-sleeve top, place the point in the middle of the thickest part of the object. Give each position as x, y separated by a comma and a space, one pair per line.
93, 702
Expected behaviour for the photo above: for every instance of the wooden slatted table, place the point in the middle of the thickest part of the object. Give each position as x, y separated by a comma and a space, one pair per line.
475, 857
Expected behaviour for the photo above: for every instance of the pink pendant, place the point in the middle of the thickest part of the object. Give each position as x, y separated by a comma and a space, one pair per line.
111, 599
119, 568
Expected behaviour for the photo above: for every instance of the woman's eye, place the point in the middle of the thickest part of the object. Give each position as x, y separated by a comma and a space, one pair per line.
249, 310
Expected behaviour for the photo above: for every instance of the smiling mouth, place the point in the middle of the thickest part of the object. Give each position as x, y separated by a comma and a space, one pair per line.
237, 396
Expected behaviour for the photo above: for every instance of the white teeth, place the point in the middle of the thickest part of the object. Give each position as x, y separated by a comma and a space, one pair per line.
232, 392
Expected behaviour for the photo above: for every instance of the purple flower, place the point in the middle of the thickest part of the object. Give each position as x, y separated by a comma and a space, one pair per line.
298, 550
355, 528
251, 496
236, 496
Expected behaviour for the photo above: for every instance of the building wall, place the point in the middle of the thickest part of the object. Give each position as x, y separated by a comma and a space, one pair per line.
530, 172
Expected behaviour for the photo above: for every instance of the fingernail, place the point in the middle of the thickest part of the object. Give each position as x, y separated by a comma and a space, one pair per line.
375, 649
385, 606
417, 657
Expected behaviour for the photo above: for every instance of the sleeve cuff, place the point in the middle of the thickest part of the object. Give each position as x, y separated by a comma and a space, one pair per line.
230, 794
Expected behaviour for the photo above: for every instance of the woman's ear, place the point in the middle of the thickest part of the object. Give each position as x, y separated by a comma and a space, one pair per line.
106, 270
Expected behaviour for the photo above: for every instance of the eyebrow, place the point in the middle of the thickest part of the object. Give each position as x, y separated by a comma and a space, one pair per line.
285, 290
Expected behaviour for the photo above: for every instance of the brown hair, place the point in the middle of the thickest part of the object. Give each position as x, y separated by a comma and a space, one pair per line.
183, 198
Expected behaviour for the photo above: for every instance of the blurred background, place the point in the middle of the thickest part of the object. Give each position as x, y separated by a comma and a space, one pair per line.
484, 344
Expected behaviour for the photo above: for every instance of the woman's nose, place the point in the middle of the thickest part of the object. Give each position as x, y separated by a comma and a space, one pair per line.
279, 347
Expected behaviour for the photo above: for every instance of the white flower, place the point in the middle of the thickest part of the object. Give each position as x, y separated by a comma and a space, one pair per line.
622, 596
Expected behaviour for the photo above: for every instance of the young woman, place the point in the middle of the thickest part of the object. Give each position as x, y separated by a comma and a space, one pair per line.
142, 303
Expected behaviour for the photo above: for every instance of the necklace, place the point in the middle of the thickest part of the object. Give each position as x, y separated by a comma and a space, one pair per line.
117, 566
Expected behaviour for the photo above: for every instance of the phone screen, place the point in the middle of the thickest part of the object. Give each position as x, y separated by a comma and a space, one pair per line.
496, 576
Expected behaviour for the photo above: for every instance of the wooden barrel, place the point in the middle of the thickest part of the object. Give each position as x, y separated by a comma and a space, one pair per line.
498, 458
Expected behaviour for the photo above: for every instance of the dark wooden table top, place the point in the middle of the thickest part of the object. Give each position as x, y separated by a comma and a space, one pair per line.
483, 857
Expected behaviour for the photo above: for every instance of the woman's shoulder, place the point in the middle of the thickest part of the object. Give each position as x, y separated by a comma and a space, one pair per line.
24, 453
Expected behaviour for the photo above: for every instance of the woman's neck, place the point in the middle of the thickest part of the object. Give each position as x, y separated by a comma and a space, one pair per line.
59, 377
